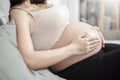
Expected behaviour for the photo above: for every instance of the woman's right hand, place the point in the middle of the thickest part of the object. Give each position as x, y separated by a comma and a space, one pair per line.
83, 44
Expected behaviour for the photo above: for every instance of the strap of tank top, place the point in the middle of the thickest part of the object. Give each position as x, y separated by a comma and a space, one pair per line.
18, 9
23, 10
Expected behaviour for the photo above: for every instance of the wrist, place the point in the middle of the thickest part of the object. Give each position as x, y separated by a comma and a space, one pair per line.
72, 49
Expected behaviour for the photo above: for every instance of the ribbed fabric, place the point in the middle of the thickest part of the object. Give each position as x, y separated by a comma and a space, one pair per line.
49, 25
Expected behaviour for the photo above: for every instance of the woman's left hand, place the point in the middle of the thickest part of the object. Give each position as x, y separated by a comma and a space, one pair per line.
102, 37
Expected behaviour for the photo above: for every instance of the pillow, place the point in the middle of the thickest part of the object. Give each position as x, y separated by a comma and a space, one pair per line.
4, 11
10, 30
12, 66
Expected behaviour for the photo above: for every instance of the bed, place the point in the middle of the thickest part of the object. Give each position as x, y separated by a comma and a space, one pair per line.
12, 65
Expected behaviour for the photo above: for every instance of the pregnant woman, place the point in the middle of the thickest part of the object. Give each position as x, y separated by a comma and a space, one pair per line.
72, 50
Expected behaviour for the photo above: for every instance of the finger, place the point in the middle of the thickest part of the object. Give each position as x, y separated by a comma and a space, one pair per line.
102, 37
92, 39
86, 39
92, 49
93, 45
103, 40
94, 42
97, 28
82, 35
103, 45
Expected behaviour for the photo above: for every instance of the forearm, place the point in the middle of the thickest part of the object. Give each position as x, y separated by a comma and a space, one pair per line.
70, 61
43, 59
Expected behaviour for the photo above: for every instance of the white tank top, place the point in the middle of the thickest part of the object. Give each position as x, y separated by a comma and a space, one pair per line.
49, 25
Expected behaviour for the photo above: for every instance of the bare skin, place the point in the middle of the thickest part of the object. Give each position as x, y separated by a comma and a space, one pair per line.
72, 30
68, 47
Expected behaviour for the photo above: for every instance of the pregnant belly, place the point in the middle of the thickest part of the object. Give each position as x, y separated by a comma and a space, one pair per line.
75, 28
72, 30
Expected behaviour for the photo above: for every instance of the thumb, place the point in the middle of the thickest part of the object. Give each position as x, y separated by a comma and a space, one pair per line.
82, 35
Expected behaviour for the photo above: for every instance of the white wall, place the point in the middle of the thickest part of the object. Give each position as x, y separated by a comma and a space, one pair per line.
73, 6
55, 2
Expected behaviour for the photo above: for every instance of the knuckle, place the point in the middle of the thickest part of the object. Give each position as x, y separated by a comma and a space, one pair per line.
87, 43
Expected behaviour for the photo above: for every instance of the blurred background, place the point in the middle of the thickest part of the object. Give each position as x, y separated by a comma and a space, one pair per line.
102, 13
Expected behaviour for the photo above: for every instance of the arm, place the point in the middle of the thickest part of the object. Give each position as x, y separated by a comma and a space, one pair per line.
35, 59
43, 59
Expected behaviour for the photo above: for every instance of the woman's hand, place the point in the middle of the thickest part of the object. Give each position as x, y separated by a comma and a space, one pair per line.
102, 37
82, 44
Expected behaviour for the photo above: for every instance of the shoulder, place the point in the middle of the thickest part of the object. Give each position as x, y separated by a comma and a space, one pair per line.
19, 17
17, 12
